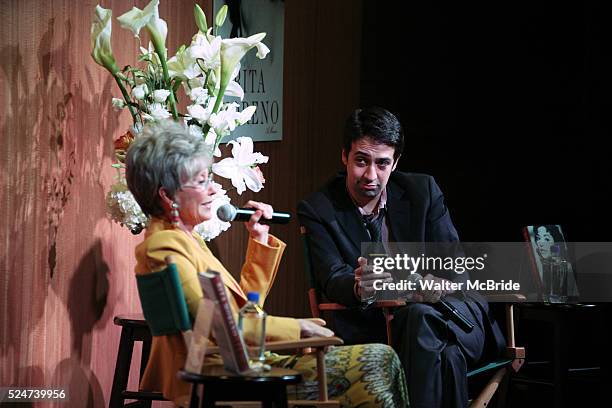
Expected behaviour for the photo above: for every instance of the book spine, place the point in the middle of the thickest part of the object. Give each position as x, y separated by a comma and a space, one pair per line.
229, 324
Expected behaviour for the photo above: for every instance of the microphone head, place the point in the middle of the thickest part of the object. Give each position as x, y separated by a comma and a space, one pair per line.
226, 212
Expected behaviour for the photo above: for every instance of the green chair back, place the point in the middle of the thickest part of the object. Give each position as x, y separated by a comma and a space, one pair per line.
163, 301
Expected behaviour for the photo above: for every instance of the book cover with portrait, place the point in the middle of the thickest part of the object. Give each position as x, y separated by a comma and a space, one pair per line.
541, 239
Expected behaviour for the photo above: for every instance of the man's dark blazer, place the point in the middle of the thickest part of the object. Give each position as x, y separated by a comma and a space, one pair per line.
415, 213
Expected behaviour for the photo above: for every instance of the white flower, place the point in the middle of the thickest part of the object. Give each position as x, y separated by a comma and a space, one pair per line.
233, 49
207, 51
223, 122
123, 208
182, 65
212, 228
199, 113
240, 167
158, 112
198, 95
246, 114
101, 30
211, 140
118, 103
150, 53
160, 95
140, 91
136, 18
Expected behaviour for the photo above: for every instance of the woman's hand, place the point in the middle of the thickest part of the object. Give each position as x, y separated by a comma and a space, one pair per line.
257, 231
314, 328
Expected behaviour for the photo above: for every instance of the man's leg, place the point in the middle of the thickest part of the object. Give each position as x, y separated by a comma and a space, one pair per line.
435, 354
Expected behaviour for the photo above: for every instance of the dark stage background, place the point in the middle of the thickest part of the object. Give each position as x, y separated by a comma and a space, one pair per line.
506, 104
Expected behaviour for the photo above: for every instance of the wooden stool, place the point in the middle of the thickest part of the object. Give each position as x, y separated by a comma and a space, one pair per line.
133, 328
269, 387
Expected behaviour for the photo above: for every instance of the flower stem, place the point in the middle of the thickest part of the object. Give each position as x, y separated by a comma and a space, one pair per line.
127, 99
160, 49
218, 101
171, 100
215, 109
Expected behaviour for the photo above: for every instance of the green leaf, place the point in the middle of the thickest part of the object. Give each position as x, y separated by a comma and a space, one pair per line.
220, 18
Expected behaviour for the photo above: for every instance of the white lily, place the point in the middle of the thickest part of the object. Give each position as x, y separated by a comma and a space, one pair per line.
101, 30
211, 140
150, 53
136, 19
199, 113
233, 88
239, 168
182, 65
160, 95
207, 51
233, 49
245, 115
223, 122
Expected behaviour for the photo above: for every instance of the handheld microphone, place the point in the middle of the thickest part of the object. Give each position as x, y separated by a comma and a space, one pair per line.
449, 311
228, 213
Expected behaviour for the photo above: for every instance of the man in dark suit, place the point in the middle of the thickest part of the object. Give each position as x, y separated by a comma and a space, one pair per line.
371, 202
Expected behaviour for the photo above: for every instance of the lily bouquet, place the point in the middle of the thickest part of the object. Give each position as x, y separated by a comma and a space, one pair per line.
205, 71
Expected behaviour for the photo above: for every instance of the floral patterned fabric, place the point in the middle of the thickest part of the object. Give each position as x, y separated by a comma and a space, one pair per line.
365, 375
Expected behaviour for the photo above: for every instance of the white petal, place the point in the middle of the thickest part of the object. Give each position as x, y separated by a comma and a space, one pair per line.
262, 50
260, 158
238, 182
225, 168
246, 114
198, 112
245, 152
160, 95
252, 180
234, 89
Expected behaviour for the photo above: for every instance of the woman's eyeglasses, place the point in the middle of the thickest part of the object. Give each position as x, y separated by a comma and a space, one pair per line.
204, 184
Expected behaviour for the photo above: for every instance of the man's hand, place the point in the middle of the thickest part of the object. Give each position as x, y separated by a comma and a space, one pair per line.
365, 278
314, 328
434, 294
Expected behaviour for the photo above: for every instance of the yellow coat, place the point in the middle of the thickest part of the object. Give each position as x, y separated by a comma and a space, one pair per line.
168, 353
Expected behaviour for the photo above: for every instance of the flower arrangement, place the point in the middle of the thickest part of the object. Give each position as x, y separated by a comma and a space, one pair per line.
205, 70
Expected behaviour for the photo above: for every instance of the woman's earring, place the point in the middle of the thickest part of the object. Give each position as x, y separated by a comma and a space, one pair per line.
174, 215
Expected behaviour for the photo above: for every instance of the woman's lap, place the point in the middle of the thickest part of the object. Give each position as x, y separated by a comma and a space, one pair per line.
361, 375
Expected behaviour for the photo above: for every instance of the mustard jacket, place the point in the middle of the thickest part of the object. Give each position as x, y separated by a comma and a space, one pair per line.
168, 353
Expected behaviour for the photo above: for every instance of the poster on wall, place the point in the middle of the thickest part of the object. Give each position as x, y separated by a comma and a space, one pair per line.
261, 80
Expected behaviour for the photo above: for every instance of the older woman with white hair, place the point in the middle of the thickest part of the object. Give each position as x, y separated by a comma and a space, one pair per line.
168, 174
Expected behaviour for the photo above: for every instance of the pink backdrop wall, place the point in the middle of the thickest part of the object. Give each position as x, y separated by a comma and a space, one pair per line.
65, 268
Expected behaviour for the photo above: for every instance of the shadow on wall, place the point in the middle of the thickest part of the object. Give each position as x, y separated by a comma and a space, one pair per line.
86, 302
52, 179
